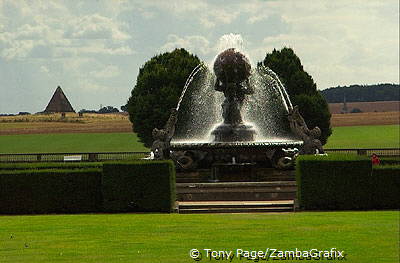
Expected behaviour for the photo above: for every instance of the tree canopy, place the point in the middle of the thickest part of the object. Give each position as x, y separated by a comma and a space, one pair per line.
363, 93
301, 88
157, 90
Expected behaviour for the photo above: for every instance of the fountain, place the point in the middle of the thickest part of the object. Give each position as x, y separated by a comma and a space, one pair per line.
256, 123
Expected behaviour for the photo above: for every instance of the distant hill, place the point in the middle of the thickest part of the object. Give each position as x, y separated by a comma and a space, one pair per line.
363, 93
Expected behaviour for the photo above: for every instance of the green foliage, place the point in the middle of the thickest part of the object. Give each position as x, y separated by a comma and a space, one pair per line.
341, 182
139, 186
301, 88
388, 162
157, 90
50, 191
363, 93
386, 186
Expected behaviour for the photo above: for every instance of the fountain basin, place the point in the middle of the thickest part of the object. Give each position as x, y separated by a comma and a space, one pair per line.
284, 143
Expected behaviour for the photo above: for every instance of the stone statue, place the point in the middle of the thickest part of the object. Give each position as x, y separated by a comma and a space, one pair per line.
162, 138
232, 70
312, 145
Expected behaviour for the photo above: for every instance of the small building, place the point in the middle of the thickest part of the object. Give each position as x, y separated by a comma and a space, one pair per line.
59, 103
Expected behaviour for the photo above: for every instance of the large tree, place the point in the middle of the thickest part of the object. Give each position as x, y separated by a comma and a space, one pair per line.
157, 90
301, 88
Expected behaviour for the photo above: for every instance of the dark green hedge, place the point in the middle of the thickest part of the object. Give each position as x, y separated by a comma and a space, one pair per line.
342, 182
31, 166
139, 186
50, 191
390, 160
386, 186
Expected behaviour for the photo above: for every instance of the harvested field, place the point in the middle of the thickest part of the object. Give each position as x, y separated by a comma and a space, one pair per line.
376, 106
366, 118
72, 123
117, 123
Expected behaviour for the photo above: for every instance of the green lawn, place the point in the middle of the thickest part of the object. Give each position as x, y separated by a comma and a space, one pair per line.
364, 236
385, 136
70, 142
380, 136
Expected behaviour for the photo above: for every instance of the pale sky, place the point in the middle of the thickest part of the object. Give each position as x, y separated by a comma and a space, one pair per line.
94, 49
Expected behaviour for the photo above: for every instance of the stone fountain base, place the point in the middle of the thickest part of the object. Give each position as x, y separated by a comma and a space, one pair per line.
188, 155
229, 133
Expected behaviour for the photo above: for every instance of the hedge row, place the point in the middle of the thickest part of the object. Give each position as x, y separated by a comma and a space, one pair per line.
342, 182
50, 191
386, 186
145, 186
120, 187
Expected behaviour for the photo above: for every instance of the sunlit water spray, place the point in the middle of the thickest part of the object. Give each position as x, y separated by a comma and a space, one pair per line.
200, 105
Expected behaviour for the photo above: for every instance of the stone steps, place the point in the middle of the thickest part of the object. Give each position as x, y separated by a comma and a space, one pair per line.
237, 191
262, 175
235, 206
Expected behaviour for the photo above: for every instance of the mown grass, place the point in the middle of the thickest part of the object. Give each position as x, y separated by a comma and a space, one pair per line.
380, 136
364, 236
70, 142
384, 136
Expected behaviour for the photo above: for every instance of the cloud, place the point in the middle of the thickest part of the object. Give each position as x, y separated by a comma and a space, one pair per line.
44, 69
95, 26
109, 71
195, 44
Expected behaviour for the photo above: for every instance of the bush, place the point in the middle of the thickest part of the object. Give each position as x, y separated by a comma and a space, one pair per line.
158, 87
33, 166
340, 182
334, 182
139, 186
386, 187
50, 191
301, 88
390, 161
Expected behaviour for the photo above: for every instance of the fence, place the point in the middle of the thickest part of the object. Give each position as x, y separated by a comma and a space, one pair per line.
61, 157
110, 156
368, 152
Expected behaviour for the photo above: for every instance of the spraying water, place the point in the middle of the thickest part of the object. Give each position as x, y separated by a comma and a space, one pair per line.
188, 81
200, 105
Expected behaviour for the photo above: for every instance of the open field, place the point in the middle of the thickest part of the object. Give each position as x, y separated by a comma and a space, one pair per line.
117, 123
383, 136
380, 136
376, 106
370, 118
70, 142
363, 236
72, 123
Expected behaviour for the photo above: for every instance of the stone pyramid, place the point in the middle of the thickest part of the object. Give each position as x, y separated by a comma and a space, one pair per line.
59, 103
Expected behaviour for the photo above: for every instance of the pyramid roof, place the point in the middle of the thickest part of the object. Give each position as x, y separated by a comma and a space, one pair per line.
59, 102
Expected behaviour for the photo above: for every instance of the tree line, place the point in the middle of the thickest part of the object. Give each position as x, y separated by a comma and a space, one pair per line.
363, 93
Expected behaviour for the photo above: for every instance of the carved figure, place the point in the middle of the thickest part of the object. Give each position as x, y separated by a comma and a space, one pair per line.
312, 145
162, 137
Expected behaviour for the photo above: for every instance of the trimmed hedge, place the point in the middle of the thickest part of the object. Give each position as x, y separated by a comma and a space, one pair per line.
386, 186
31, 166
139, 186
342, 182
390, 160
50, 191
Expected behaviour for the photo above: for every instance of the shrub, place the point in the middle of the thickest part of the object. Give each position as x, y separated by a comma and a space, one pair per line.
50, 191
390, 160
346, 182
333, 182
139, 186
386, 187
